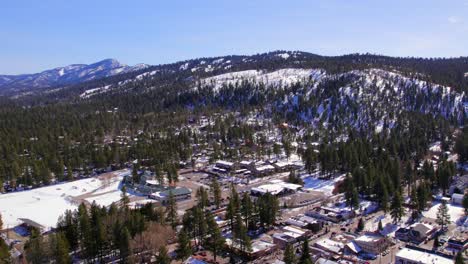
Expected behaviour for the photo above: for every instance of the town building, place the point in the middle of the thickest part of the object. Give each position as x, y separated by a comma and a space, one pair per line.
179, 193
416, 233
459, 242
457, 199
372, 243
276, 187
227, 165
413, 256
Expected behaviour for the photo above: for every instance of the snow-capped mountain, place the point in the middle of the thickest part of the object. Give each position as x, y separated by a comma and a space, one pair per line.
71, 74
370, 98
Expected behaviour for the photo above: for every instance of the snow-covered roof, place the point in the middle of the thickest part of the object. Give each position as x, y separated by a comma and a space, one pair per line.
354, 247
224, 163
265, 168
417, 256
275, 187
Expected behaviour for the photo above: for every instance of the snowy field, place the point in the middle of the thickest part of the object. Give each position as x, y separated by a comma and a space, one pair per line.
455, 212
45, 205
387, 223
325, 186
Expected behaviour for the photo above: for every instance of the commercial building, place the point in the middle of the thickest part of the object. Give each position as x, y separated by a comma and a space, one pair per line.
412, 256
276, 187
457, 199
372, 243
179, 193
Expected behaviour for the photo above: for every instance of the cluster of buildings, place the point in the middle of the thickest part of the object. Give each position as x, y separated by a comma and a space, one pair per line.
247, 168
150, 187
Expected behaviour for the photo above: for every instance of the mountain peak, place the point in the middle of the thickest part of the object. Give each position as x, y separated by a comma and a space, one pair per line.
71, 74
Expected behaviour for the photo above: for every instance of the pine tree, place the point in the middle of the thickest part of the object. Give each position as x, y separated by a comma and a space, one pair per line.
202, 197
5, 256
247, 208
465, 203
351, 194
380, 227
216, 190
184, 249
163, 257
171, 210
60, 248
361, 224
436, 241
126, 254
396, 208
384, 201
443, 217
459, 258
35, 250
215, 241
124, 200
305, 257
1, 222
84, 226
289, 255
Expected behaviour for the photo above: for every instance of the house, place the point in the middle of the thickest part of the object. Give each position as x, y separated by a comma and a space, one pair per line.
263, 170
307, 222
458, 242
457, 199
276, 187
259, 247
372, 243
413, 256
246, 164
227, 165
282, 240
416, 233
334, 215
179, 193
330, 246
29, 224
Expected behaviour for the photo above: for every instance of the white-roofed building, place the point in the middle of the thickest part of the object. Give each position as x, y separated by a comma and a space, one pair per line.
412, 256
276, 187
457, 199
372, 243
224, 164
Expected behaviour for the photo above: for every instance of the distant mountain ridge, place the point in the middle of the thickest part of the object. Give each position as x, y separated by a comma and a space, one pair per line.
67, 75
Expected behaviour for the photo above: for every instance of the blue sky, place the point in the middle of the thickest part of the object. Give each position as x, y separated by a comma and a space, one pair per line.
37, 35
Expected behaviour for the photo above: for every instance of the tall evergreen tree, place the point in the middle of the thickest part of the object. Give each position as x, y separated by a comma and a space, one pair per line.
216, 191
126, 254
171, 210
289, 255
215, 241
305, 257
163, 257
60, 248
396, 208
184, 249
443, 216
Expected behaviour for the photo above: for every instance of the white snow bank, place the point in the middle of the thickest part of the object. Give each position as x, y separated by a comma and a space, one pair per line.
45, 205
455, 212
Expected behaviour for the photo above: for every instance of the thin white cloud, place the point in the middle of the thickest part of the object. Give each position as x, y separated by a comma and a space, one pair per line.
454, 20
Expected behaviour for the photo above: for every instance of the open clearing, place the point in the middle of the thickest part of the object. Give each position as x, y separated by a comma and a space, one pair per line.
45, 205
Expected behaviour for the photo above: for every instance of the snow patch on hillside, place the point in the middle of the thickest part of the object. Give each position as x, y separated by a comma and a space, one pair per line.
279, 78
94, 91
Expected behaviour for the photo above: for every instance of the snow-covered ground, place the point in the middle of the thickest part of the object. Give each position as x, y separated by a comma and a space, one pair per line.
325, 186
277, 78
388, 227
45, 205
455, 212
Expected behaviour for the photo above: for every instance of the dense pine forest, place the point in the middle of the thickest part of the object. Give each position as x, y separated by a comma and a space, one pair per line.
371, 117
